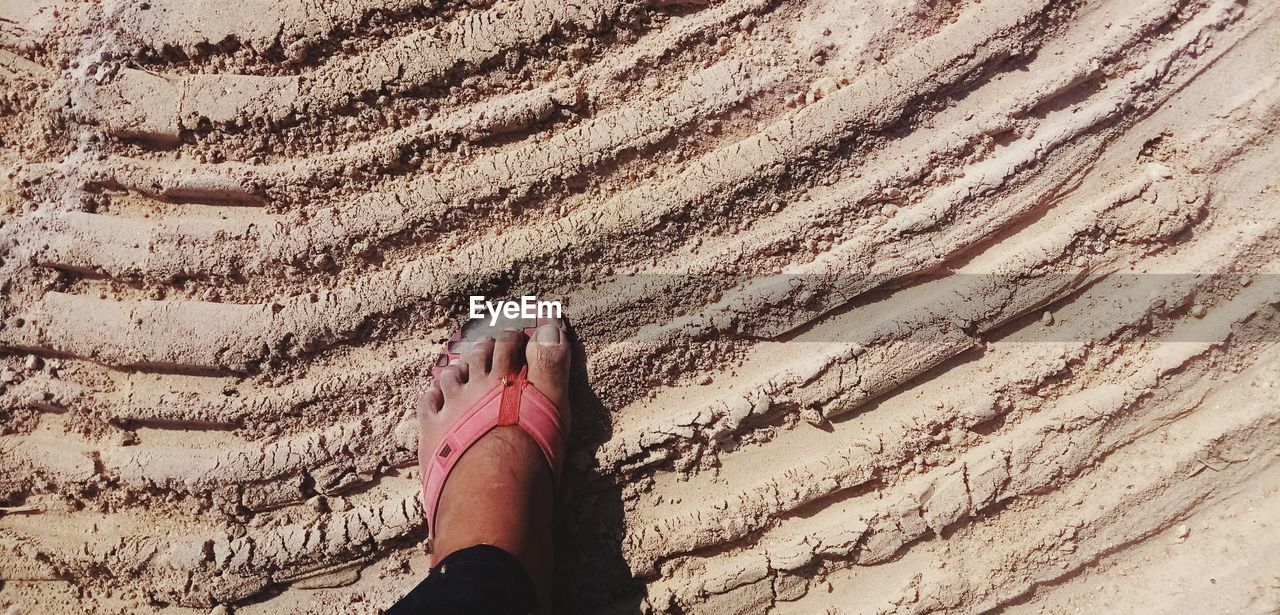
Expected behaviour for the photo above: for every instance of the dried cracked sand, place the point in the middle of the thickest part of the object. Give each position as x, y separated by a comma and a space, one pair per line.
884, 307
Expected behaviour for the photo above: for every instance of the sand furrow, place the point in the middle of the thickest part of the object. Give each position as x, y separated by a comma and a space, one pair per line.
1010, 389
903, 165
306, 324
927, 327
1090, 518
880, 307
424, 205
173, 104
900, 245
292, 27
1037, 454
292, 180
200, 571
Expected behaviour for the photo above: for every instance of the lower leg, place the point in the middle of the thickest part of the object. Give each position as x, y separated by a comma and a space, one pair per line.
506, 503
500, 491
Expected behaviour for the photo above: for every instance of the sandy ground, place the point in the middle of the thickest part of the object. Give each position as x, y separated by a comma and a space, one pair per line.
885, 307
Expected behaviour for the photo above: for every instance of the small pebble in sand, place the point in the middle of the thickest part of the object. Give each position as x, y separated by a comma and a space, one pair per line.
1198, 311
221, 609
1046, 318
323, 262
1183, 531
34, 363
820, 89
318, 504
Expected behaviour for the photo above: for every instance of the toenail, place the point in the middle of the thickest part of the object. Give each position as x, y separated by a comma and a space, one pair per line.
455, 361
548, 335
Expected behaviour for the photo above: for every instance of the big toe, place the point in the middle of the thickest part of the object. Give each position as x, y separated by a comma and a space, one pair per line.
548, 354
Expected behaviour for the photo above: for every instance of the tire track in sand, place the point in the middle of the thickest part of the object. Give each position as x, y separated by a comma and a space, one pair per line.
217, 409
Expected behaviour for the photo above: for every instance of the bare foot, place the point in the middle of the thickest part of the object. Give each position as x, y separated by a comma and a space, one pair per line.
500, 492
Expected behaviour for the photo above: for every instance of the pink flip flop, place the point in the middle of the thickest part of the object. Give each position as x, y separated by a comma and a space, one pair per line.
514, 401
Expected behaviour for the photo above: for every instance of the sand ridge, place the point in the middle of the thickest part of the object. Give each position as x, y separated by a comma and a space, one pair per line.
884, 307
